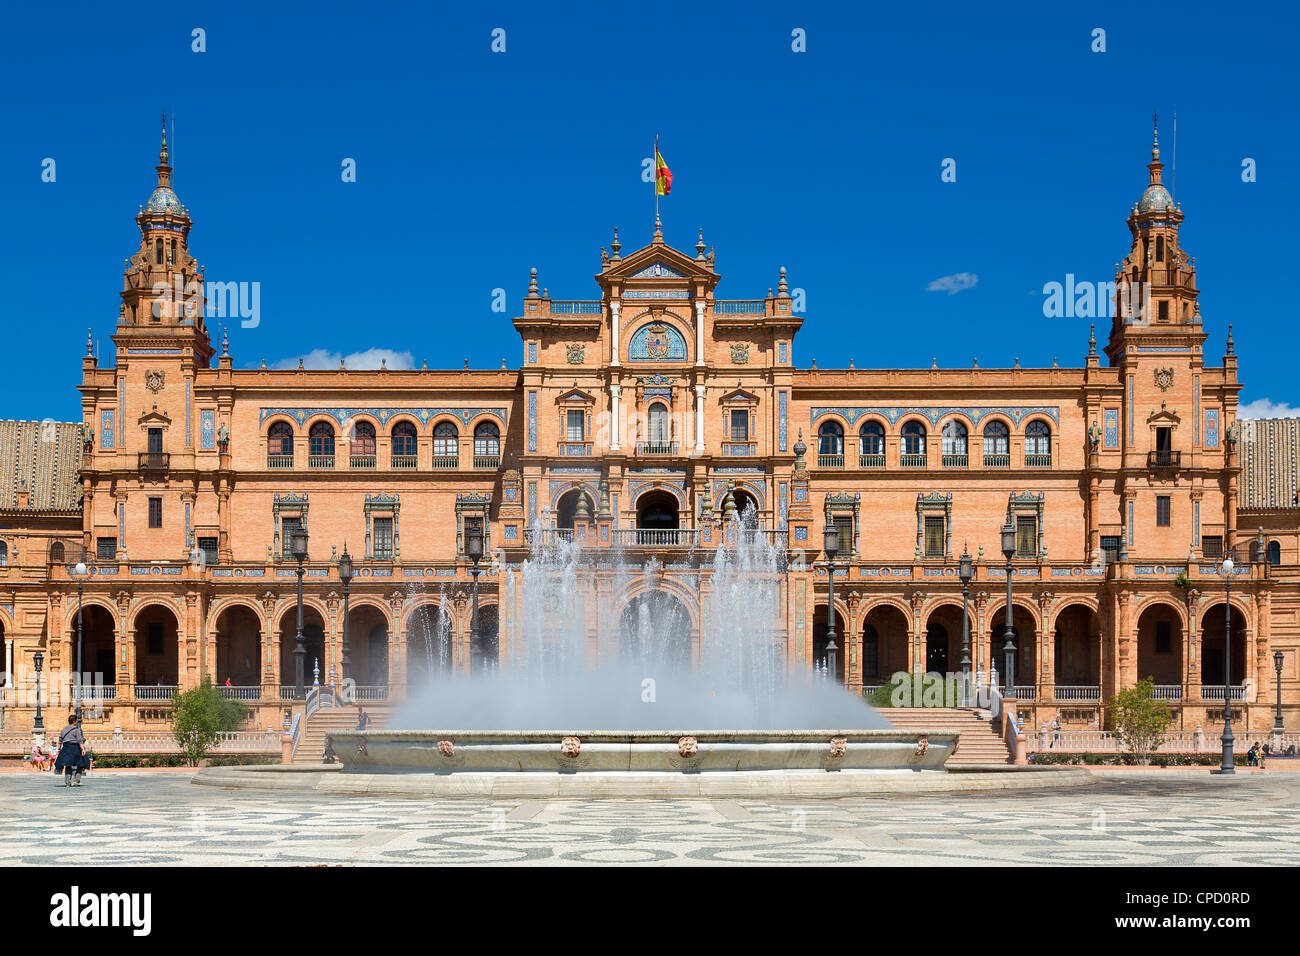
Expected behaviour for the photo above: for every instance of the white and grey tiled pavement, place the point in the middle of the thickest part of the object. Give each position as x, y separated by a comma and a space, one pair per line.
143, 818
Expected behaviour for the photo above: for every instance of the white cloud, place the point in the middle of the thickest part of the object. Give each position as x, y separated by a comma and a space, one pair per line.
954, 283
1266, 408
370, 358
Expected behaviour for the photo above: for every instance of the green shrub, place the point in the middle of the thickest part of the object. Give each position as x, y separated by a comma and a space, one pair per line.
199, 715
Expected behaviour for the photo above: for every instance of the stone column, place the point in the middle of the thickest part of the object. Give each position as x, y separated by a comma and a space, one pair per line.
615, 412
699, 418
9, 661
614, 309
699, 333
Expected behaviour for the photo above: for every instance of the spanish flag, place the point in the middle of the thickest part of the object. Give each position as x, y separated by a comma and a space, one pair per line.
663, 175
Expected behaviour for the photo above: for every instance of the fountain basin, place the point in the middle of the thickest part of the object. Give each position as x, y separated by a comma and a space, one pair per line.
739, 751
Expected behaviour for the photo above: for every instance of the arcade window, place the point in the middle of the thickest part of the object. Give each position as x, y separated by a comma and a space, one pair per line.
209, 548
1212, 546
1164, 638
106, 549
1162, 511
155, 512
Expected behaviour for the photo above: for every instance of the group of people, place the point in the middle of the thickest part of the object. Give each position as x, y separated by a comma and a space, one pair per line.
73, 757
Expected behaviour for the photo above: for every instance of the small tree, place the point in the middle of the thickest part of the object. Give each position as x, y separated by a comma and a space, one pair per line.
198, 716
1139, 719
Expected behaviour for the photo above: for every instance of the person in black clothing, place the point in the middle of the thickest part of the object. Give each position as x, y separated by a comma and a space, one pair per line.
72, 744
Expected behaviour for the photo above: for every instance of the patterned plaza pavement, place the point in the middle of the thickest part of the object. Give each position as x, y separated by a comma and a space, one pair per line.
151, 817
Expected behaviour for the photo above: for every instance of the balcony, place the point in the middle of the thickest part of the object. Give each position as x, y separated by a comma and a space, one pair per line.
997, 461
575, 449
1024, 693
1168, 692
657, 537
871, 461
1164, 459
656, 448
1077, 692
914, 461
547, 535
489, 462
155, 692
236, 692
1215, 692
955, 461
446, 462
279, 462
1038, 461
830, 461
154, 460
403, 462
320, 461
362, 461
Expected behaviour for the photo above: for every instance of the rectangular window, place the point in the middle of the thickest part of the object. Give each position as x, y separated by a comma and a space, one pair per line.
1162, 511
573, 429
1026, 536
469, 527
1164, 439
844, 527
287, 527
1212, 546
106, 549
1164, 311
383, 538
155, 512
1164, 638
739, 424
934, 535
155, 441
1110, 547
155, 638
209, 548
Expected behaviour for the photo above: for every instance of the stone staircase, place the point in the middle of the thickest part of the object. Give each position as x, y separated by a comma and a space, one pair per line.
979, 741
311, 741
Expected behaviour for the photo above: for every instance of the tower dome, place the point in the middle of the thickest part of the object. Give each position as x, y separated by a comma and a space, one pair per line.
164, 201
1155, 198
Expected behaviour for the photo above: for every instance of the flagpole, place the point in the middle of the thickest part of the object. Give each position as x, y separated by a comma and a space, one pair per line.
656, 178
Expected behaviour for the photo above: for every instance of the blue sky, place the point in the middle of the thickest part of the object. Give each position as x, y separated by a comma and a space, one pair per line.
474, 166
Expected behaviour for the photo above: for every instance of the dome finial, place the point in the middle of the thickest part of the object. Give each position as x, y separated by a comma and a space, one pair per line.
1155, 135
162, 155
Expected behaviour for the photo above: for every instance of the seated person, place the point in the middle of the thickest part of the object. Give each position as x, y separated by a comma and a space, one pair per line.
40, 759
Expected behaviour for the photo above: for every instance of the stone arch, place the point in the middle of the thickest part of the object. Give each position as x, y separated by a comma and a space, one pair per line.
941, 636
590, 487
639, 492
370, 638
656, 627
891, 621
288, 609
265, 428
1075, 627
220, 605
143, 604
155, 628
403, 417
1180, 608
429, 637
1026, 624
1160, 627
316, 621
99, 659
1212, 625
486, 654
238, 647
71, 615
843, 636
640, 585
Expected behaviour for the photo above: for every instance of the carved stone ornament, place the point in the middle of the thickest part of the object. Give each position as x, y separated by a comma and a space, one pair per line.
576, 353
447, 748
740, 353
154, 379
570, 746
1164, 379
687, 746
922, 745
839, 746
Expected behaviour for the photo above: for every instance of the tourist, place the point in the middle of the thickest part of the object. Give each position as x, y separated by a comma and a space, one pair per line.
40, 759
71, 744
1056, 730
362, 719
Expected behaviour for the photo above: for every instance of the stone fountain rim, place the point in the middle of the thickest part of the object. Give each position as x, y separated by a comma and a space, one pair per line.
598, 736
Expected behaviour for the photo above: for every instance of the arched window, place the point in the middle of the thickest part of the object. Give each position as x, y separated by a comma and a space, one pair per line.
404, 439
279, 442
444, 440
830, 439
954, 437
1160, 248
1038, 443
57, 553
873, 438
363, 439
997, 439
157, 251
913, 438
320, 440
1274, 553
487, 440
657, 424
4, 552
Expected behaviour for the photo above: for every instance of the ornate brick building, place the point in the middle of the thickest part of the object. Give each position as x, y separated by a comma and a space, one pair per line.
638, 422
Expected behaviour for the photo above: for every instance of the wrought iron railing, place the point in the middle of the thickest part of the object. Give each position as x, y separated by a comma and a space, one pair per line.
575, 307
1164, 459
154, 460
656, 448
740, 307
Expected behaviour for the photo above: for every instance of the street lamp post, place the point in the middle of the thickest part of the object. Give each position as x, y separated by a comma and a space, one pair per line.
76, 683
965, 571
345, 578
1009, 648
474, 550
831, 544
38, 725
1277, 717
298, 547
1226, 764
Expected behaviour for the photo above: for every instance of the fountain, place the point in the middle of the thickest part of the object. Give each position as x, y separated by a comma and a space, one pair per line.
603, 671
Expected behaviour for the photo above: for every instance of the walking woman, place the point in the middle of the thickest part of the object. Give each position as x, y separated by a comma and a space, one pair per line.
72, 743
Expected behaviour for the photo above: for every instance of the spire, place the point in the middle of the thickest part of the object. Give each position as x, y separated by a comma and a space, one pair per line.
1230, 343
162, 155
1155, 136
615, 246
699, 247
532, 283
782, 288
164, 168
1092, 340
659, 230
